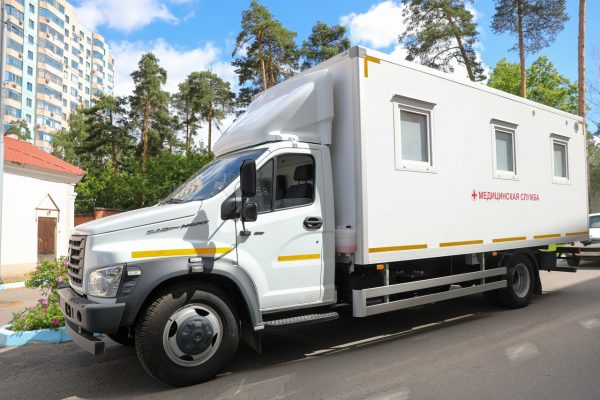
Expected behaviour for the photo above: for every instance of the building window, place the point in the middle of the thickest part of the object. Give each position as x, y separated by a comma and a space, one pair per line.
29, 71
30, 39
29, 102
504, 149
28, 118
560, 159
412, 134
29, 86
30, 54
67, 19
31, 24
31, 8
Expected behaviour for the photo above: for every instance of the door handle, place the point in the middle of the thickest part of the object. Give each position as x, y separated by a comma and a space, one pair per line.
312, 223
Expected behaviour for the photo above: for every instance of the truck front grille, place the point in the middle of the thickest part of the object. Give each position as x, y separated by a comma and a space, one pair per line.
75, 267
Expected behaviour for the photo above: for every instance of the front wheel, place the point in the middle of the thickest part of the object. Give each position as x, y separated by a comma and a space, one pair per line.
520, 283
187, 334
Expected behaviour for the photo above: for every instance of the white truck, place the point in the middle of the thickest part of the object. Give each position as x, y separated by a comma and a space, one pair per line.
365, 182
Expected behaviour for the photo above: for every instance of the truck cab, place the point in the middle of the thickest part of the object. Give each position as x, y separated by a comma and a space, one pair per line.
245, 252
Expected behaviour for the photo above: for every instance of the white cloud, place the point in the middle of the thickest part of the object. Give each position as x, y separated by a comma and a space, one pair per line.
178, 63
124, 15
379, 27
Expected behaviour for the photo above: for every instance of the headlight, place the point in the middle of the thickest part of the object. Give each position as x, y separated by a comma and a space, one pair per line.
104, 282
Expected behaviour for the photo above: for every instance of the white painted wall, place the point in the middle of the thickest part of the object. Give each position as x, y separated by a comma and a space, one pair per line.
26, 189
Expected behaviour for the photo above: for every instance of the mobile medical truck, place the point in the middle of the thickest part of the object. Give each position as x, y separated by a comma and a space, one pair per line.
365, 181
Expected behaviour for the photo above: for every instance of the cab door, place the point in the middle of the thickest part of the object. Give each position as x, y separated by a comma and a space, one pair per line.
285, 243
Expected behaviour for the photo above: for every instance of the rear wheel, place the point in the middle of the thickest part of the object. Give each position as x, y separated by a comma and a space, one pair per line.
187, 334
520, 283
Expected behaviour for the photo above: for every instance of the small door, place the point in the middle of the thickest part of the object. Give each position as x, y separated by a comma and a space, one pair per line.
46, 238
286, 240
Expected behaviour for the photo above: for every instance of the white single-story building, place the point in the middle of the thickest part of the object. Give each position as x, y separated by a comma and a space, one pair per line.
37, 209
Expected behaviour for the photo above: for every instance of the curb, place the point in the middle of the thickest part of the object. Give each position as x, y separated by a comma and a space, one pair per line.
9, 338
14, 285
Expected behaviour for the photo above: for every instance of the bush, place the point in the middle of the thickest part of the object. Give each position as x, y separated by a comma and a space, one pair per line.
48, 276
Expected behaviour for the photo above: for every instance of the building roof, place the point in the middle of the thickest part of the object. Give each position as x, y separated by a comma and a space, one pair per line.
24, 153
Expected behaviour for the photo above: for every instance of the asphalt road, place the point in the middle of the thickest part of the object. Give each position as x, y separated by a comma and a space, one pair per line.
458, 349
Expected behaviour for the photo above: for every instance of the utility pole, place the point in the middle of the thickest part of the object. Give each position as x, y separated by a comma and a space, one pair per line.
2, 73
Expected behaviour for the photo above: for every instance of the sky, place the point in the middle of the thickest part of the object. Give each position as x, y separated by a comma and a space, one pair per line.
194, 35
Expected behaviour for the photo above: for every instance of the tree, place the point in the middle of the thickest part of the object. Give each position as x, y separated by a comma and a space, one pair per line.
188, 118
107, 134
266, 52
19, 128
149, 103
535, 23
546, 84
440, 33
323, 43
65, 143
214, 99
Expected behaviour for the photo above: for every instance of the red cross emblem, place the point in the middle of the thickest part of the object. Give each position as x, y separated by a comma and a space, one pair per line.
474, 194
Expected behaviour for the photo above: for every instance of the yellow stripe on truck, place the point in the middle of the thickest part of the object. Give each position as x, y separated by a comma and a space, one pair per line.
463, 243
509, 239
397, 248
299, 257
548, 236
196, 251
577, 233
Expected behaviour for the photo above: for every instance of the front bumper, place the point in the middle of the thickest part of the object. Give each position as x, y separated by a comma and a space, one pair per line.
84, 317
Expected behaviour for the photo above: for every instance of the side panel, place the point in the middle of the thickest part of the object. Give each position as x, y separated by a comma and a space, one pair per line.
461, 205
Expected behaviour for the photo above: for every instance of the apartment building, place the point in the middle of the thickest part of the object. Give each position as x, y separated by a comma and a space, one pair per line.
53, 64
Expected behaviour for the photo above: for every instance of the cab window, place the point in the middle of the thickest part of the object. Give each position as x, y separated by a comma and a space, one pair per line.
284, 182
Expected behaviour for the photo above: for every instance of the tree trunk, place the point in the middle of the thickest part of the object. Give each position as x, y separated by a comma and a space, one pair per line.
521, 48
209, 120
461, 47
187, 135
113, 147
581, 108
263, 72
145, 125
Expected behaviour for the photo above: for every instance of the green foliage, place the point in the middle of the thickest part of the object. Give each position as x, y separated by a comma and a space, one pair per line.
48, 276
149, 110
132, 188
542, 20
545, 86
323, 43
440, 33
19, 128
266, 52
203, 96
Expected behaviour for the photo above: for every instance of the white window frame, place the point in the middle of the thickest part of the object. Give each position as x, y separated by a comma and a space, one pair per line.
400, 104
504, 127
562, 141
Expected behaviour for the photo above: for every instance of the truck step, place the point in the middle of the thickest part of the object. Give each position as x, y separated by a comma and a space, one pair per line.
302, 320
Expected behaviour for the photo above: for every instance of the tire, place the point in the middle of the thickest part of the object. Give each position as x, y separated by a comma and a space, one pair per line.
520, 282
125, 337
187, 334
573, 261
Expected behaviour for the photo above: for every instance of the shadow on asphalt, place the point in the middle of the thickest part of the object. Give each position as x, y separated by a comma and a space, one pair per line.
60, 371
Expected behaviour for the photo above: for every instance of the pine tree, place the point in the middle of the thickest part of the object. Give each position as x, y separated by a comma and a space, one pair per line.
188, 118
149, 103
440, 33
323, 43
266, 52
535, 23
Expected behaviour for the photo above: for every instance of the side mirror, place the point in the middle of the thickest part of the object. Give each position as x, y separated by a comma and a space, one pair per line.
249, 212
229, 209
248, 178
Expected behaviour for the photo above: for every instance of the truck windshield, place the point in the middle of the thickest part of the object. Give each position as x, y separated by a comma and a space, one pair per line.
212, 178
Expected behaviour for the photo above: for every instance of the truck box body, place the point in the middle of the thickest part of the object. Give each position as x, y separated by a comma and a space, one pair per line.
457, 201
